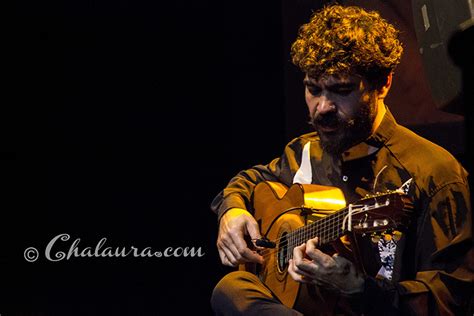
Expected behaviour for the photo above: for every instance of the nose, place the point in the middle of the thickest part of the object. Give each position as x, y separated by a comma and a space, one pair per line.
325, 105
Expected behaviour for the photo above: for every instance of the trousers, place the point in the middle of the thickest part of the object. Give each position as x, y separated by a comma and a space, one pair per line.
242, 293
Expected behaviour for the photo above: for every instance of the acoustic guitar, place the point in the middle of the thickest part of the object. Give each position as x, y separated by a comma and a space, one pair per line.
291, 216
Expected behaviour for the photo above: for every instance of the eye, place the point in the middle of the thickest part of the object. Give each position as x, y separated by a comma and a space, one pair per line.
343, 91
314, 90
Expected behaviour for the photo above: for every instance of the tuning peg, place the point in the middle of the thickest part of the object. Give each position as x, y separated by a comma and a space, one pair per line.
375, 238
397, 235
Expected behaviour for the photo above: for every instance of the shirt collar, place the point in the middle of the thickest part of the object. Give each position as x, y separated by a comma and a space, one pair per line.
376, 141
384, 132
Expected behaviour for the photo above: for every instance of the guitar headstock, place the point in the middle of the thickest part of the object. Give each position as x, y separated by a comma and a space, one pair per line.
381, 212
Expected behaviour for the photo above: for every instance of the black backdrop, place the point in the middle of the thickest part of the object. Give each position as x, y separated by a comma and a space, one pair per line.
132, 116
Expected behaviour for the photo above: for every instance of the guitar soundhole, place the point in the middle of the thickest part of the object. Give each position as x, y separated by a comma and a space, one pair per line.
282, 253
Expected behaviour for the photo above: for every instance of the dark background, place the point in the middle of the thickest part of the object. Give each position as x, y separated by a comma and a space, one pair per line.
139, 113
133, 116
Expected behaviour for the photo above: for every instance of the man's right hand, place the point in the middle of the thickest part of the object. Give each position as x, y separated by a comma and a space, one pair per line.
234, 225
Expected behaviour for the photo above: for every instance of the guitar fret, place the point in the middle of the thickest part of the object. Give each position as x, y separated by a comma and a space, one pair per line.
325, 229
328, 229
332, 227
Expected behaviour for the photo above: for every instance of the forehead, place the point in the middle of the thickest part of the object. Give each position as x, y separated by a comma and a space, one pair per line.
329, 80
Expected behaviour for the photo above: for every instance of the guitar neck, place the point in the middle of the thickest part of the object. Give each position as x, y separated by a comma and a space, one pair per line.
327, 229
379, 212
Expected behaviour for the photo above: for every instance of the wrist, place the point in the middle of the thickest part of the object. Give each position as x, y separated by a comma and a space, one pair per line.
356, 288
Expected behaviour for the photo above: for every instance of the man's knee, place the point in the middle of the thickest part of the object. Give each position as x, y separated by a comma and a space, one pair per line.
230, 286
242, 293
231, 289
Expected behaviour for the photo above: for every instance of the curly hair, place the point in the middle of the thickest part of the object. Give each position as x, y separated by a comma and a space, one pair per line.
343, 40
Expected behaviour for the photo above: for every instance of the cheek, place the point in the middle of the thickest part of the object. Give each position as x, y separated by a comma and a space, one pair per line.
347, 110
348, 107
311, 102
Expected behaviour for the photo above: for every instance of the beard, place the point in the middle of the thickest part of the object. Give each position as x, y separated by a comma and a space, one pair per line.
348, 131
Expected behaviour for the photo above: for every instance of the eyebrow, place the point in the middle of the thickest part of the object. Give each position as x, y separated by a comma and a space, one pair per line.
308, 82
343, 85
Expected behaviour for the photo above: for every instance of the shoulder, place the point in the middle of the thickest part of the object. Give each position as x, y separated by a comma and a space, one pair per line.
432, 166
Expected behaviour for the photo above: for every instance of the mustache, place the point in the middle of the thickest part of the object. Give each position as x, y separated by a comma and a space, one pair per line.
329, 120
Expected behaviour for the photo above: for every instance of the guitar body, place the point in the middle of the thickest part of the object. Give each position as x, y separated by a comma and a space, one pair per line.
272, 202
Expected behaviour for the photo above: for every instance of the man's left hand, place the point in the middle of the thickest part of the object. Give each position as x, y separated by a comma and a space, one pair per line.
311, 265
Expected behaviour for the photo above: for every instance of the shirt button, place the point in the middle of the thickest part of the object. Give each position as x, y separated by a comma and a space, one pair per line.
345, 178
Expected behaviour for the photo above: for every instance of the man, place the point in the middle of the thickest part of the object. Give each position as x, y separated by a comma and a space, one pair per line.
348, 56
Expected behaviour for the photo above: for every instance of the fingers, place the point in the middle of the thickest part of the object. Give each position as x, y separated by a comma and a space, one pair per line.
231, 244
300, 268
224, 259
311, 265
296, 275
302, 264
254, 232
235, 245
231, 256
253, 229
298, 253
244, 253
305, 270
252, 256
227, 258
320, 258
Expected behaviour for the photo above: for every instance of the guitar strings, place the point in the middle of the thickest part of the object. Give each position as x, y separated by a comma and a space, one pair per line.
329, 232
326, 223
326, 226
273, 269
330, 226
298, 236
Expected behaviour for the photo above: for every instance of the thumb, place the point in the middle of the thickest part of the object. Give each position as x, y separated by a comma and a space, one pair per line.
252, 229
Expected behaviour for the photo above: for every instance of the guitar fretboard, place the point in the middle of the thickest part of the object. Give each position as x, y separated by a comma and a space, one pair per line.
328, 229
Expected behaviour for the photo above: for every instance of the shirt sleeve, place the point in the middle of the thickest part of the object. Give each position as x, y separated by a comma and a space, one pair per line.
238, 192
444, 265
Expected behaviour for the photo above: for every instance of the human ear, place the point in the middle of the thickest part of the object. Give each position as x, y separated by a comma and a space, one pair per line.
383, 90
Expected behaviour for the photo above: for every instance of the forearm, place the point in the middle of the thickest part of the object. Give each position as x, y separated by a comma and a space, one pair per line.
238, 193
